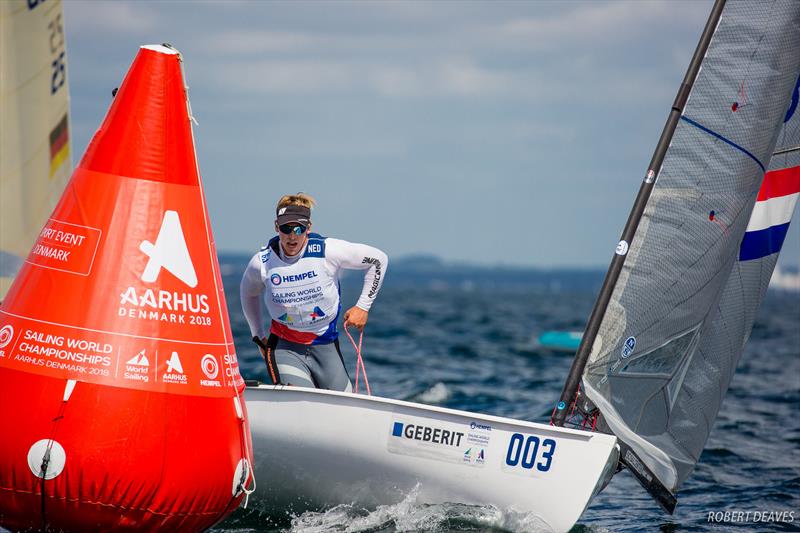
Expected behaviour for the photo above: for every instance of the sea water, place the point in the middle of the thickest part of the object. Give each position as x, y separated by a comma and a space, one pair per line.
467, 343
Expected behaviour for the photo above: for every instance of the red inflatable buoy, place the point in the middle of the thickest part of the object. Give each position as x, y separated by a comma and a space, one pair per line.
121, 404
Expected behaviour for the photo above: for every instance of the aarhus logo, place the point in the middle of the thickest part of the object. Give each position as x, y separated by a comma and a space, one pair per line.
174, 364
474, 457
275, 279
169, 252
174, 373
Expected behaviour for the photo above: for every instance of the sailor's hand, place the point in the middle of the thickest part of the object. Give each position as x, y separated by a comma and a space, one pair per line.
355, 316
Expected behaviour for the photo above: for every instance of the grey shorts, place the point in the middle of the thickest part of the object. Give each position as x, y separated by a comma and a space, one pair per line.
318, 366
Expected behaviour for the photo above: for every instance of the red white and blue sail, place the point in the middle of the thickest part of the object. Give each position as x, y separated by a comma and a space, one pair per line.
777, 198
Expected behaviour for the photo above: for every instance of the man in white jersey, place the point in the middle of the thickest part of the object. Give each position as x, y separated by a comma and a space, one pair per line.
297, 276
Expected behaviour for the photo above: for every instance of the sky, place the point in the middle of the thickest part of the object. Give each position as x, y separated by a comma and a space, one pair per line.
513, 133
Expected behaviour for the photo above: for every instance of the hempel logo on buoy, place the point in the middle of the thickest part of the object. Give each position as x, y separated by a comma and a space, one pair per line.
210, 367
169, 252
6, 334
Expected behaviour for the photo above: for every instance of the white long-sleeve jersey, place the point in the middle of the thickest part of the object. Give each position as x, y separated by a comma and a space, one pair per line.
301, 293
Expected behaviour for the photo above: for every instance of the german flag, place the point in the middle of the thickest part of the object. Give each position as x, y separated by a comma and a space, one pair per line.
59, 145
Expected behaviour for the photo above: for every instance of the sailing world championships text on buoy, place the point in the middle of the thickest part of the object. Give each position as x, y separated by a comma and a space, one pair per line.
116, 325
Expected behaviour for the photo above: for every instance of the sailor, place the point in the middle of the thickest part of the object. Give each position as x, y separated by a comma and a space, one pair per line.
296, 276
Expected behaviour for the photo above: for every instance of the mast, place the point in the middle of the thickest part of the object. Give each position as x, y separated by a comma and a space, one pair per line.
614, 270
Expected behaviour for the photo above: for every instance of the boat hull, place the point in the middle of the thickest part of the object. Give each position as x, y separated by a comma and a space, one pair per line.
314, 449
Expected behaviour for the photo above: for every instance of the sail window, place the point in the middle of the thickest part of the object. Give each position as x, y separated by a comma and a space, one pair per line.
665, 359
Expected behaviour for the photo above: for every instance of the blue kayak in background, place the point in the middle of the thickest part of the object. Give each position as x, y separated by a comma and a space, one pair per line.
560, 341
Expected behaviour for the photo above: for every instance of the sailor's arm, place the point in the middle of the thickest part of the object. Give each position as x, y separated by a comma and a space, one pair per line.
251, 290
355, 256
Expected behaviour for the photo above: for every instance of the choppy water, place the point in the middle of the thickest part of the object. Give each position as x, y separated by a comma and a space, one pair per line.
467, 347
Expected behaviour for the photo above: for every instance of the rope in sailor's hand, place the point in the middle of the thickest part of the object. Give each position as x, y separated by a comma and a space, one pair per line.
359, 361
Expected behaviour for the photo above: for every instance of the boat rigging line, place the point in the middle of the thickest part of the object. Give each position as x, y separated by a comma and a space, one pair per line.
359, 361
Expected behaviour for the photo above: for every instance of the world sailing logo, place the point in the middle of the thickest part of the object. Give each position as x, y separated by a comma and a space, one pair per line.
169, 252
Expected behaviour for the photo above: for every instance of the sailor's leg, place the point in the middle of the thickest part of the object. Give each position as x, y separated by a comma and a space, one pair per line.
327, 367
291, 364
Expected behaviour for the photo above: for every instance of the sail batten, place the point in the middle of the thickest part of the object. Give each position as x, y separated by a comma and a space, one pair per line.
724, 139
697, 266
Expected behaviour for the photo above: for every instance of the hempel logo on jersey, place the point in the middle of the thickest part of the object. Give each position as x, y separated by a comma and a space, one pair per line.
171, 254
277, 279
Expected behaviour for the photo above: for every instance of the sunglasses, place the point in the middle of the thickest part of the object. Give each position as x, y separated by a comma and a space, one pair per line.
297, 229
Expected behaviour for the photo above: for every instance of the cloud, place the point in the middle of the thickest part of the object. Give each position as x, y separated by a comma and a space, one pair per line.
555, 53
449, 76
597, 24
247, 42
302, 76
454, 76
110, 17
466, 78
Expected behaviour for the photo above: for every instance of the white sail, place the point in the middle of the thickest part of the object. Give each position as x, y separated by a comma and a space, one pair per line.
35, 162
703, 252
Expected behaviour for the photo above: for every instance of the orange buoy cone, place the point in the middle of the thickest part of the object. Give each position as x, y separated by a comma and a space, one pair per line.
121, 403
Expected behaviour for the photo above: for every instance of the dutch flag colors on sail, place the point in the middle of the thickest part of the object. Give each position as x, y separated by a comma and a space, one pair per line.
771, 215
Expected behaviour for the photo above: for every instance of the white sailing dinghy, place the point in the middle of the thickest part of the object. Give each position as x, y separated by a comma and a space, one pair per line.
35, 162
661, 344
317, 448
